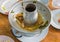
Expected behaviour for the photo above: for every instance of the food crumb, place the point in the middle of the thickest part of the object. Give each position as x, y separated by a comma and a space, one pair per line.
58, 20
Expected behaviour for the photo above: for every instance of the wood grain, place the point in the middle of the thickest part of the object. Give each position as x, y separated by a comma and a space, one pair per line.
5, 28
53, 35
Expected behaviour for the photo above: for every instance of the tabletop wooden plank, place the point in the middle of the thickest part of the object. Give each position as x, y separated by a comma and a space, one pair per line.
5, 28
53, 35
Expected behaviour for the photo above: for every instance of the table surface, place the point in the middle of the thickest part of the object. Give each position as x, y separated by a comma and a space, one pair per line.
5, 29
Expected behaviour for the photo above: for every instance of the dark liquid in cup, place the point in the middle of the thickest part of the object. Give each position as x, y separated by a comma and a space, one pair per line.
30, 7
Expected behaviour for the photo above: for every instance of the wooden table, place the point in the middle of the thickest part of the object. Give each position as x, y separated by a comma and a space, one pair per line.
5, 29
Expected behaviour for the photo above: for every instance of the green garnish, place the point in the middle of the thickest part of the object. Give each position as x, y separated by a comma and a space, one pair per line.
21, 12
46, 23
34, 1
3, 8
22, 3
12, 11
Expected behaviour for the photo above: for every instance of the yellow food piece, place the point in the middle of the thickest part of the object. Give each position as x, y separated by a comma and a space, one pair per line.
31, 28
3, 7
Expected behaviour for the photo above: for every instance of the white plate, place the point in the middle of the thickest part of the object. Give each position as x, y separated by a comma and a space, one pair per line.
56, 3
4, 38
1, 2
7, 5
54, 21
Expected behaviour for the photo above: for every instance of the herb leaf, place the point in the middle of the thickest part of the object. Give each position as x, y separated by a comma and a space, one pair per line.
34, 1
12, 11
44, 25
